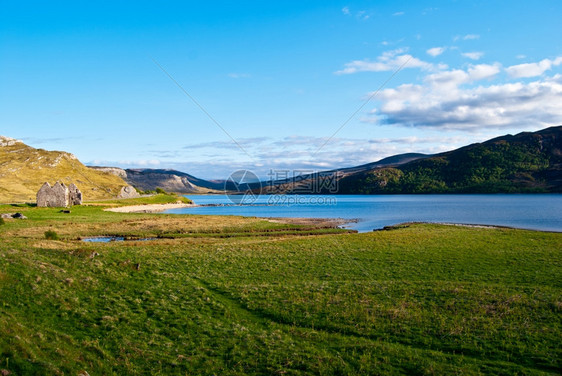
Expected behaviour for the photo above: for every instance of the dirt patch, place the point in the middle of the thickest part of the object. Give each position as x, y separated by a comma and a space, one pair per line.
320, 222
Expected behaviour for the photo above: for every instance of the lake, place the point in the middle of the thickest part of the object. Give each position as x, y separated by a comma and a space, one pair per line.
528, 211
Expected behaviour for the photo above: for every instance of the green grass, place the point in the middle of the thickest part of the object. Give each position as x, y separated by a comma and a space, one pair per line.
159, 198
233, 295
51, 235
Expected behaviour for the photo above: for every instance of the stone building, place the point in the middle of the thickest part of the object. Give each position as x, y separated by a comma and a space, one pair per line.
59, 195
74, 195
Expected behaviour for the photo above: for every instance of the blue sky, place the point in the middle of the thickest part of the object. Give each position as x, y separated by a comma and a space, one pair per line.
279, 77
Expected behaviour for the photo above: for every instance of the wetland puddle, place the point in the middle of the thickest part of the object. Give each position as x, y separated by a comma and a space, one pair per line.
108, 239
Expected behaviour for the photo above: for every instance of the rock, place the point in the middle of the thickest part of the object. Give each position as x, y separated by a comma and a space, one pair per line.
111, 170
8, 141
13, 215
128, 192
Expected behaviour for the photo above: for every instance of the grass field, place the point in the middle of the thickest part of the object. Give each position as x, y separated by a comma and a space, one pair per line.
231, 295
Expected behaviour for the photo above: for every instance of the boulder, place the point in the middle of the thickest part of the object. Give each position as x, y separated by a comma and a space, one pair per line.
12, 215
128, 192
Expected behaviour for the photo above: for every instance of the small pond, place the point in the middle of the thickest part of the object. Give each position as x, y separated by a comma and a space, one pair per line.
107, 239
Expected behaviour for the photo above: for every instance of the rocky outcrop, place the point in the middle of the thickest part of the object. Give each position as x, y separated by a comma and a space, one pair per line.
113, 170
150, 180
168, 180
59, 195
7, 141
128, 192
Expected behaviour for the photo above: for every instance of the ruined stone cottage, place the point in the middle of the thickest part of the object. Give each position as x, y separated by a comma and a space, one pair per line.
59, 195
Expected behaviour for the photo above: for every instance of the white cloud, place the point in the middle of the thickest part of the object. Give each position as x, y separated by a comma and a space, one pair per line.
295, 154
429, 11
398, 14
473, 55
435, 51
521, 56
532, 69
126, 163
483, 71
448, 100
245, 142
449, 81
388, 61
361, 15
466, 37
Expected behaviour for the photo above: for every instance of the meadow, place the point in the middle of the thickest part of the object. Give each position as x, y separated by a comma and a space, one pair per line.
232, 295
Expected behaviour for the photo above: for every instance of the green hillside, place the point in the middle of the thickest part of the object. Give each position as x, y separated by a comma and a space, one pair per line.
526, 162
23, 169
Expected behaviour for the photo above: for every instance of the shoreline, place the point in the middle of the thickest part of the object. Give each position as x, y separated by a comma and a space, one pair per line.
149, 208
469, 225
314, 221
323, 222
159, 208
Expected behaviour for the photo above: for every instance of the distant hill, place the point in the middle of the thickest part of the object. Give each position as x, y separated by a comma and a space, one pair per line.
23, 169
169, 180
303, 183
395, 160
526, 162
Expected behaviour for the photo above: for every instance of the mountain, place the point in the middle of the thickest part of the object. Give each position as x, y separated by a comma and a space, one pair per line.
395, 160
169, 180
326, 181
526, 162
23, 169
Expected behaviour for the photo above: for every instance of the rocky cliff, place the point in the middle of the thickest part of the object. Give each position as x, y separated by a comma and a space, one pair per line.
168, 180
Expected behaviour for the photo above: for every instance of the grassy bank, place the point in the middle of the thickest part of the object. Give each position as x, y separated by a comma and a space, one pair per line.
233, 295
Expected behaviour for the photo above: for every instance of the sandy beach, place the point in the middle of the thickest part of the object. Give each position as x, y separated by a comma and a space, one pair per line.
151, 208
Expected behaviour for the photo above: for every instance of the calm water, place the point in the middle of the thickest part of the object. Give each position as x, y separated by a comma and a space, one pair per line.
539, 212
